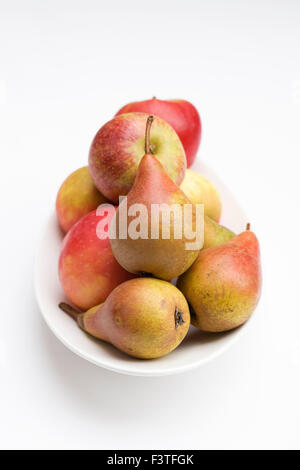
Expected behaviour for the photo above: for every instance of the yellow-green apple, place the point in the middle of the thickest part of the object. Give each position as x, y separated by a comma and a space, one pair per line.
201, 191
119, 146
77, 197
181, 114
88, 271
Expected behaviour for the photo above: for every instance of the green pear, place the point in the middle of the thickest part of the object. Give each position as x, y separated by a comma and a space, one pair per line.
164, 257
201, 191
215, 234
223, 285
144, 317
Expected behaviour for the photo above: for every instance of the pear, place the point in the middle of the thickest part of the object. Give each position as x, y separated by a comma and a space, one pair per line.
159, 251
223, 286
201, 191
144, 317
215, 234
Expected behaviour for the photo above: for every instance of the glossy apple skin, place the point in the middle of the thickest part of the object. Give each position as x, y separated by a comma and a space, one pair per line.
119, 146
88, 271
76, 197
181, 114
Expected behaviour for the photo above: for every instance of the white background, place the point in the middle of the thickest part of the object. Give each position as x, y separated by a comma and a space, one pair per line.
66, 67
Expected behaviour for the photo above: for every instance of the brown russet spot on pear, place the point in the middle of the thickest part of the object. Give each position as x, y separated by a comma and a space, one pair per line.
145, 318
164, 258
223, 286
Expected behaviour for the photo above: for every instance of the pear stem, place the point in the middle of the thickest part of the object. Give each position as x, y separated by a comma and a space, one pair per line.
72, 312
248, 226
147, 134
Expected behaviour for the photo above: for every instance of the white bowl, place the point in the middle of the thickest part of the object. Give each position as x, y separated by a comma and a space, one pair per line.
197, 349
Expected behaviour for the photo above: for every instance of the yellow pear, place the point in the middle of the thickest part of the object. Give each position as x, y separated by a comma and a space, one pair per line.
201, 191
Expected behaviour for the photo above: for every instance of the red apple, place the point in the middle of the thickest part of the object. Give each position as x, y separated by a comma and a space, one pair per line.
88, 271
181, 114
119, 146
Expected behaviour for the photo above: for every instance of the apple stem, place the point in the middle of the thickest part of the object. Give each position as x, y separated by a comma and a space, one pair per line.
154, 97
69, 310
248, 226
147, 134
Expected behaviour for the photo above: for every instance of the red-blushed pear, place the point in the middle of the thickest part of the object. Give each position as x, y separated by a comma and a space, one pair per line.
145, 318
223, 286
118, 148
77, 197
88, 271
162, 251
181, 114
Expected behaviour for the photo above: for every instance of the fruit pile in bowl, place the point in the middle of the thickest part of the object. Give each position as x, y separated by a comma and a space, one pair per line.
144, 255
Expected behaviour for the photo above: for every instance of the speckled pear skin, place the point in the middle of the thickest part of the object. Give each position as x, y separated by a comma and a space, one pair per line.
145, 318
163, 258
223, 286
215, 234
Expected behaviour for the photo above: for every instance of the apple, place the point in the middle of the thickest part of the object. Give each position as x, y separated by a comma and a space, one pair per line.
200, 190
119, 145
77, 197
181, 114
88, 271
